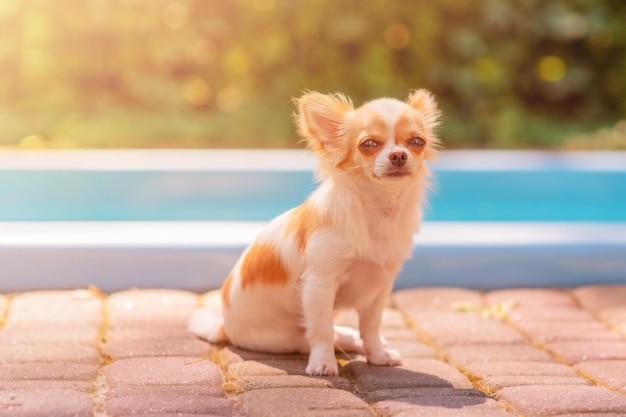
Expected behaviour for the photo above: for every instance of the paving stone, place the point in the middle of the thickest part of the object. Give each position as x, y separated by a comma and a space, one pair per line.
163, 371
592, 414
548, 314
162, 307
157, 347
614, 316
494, 383
392, 335
143, 390
232, 354
468, 328
267, 367
454, 406
509, 368
438, 299
532, 297
566, 331
577, 351
414, 349
48, 344
609, 373
390, 394
302, 402
392, 319
48, 371
249, 383
169, 415
38, 384
51, 353
133, 332
166, 403
45, 333
415, 373
60, 308
45, 402
598, 298
552, 400
462, 355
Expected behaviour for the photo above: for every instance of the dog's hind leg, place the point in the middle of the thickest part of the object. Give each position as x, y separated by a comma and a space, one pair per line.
348, 339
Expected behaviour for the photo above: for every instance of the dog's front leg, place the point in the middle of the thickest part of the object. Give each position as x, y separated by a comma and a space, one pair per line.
370, 317
318, 297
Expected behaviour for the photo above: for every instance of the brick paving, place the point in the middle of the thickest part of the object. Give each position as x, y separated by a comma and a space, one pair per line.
517, 352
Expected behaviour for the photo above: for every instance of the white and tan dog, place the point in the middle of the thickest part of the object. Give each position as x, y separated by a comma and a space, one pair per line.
343, 247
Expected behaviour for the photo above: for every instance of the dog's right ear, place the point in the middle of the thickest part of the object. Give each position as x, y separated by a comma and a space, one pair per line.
321, 120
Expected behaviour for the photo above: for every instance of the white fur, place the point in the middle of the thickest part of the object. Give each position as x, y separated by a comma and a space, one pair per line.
349, 263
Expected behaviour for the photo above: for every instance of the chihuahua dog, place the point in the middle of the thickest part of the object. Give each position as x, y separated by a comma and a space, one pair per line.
343, 247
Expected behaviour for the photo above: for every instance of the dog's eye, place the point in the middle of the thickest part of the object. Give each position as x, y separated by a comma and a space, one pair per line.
417, 141
368, 144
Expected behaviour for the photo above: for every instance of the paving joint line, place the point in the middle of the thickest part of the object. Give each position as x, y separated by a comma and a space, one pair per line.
557, 357
425, 338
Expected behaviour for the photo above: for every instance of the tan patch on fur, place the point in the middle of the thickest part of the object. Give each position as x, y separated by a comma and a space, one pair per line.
304, 221
407, 128
226, 291
365, 124
261, 265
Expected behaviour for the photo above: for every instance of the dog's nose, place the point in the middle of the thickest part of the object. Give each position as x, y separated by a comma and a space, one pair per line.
398, 158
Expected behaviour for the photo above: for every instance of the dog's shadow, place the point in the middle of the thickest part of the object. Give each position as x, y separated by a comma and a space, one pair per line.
389, 387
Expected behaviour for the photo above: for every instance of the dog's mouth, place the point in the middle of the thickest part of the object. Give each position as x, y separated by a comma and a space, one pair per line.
393, 173
397, 174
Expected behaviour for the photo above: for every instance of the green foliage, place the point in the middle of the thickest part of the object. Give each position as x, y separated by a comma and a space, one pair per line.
215, 73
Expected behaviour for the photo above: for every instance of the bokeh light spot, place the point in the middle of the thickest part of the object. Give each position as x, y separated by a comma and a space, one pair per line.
263, 5
237, 61
204, 52
228, 99
397, 36
175, 15
8, 8
486, 69
196, 91
551, 68
32, 142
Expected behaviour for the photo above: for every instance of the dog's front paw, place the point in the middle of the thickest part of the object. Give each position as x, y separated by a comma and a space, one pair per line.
322, 369
385, 357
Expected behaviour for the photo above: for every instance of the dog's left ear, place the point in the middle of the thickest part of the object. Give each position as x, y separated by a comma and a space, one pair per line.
321, 120
425, 104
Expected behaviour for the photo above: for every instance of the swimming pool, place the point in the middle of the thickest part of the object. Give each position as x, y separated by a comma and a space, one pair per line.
179, 218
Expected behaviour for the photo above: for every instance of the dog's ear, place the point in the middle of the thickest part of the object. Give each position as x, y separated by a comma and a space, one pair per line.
321, 120
423, 100
425, 104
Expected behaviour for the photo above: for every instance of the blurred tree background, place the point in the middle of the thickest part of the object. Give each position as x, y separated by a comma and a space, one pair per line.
221, 73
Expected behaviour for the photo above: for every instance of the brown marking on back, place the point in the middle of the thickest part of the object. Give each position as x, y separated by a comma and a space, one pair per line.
303, 222
226, 291
262, 265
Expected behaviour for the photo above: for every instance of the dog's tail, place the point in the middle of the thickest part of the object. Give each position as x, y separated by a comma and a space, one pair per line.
208, 324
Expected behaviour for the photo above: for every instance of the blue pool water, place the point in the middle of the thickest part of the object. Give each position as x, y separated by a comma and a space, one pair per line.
459, 195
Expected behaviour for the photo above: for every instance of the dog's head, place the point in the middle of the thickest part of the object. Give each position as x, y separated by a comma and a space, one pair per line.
381, 141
